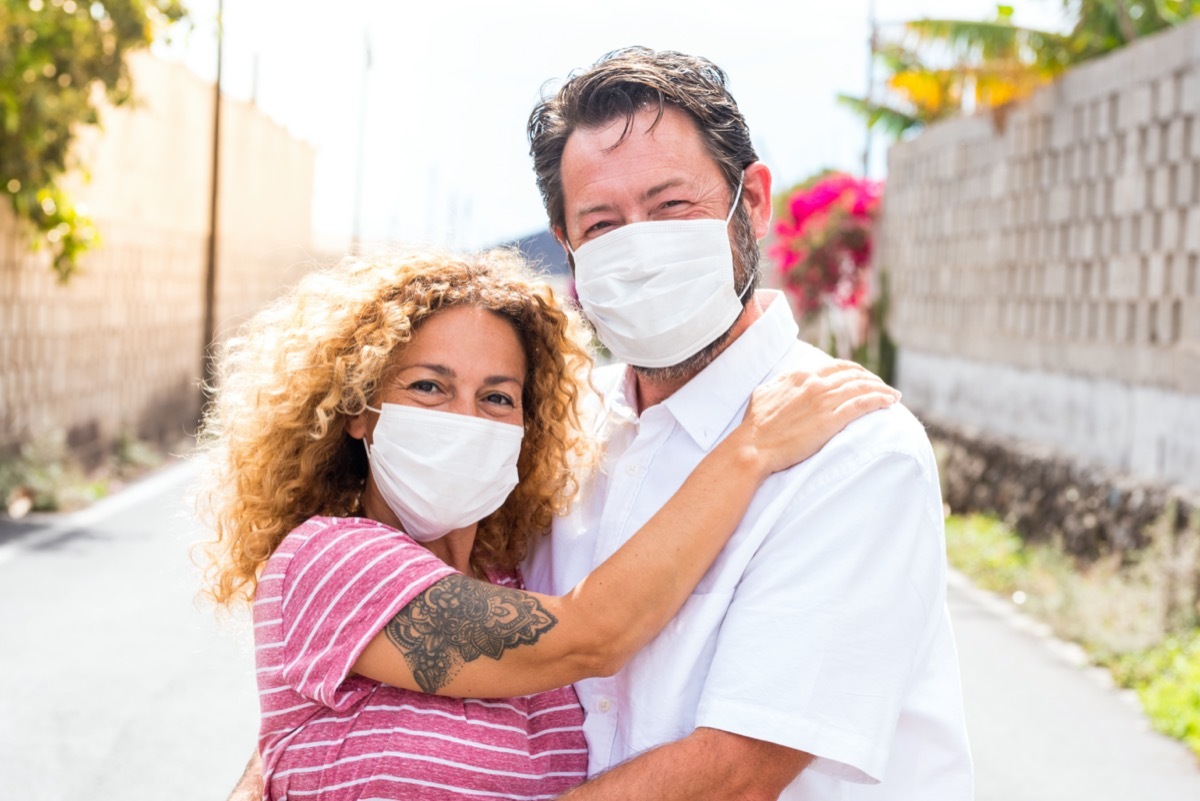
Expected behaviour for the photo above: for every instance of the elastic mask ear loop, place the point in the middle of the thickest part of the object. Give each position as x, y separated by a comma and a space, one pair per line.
736, 198
366, 446
732, 210
746, 291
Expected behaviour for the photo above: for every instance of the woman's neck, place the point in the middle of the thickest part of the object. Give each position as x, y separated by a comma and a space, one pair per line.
454, 549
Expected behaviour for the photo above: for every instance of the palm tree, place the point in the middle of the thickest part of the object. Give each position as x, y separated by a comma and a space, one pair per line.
1102, 26
938, 67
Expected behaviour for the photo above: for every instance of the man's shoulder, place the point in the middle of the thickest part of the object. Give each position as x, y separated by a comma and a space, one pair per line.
893, 431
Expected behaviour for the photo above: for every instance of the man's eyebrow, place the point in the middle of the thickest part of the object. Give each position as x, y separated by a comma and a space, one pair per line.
593, 209
658, 189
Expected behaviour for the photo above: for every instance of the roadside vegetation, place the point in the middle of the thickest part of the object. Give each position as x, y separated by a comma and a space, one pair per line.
1133, 613
44, 476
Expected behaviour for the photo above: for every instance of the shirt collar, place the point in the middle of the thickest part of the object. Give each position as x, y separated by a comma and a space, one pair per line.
705, 406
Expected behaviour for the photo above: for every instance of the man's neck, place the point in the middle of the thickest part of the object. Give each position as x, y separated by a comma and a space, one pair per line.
650, 392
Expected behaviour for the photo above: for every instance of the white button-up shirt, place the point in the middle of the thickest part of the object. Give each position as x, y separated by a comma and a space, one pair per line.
822, 626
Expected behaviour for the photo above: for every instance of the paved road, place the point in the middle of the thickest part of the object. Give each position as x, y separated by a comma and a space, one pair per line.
114, 684
1043, 728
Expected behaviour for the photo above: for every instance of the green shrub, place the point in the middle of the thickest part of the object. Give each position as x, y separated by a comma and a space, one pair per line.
987, 551
1167, 680
1117, 608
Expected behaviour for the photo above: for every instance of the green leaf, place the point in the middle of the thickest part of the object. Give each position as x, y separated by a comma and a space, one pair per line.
892, 121
54, 66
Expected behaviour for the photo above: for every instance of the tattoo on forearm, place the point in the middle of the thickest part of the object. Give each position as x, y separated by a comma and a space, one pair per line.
458, 620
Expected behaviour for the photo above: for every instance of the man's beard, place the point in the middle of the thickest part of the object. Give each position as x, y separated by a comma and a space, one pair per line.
746, 272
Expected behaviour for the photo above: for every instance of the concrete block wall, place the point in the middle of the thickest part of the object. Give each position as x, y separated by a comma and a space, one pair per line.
118, 349
1045, 264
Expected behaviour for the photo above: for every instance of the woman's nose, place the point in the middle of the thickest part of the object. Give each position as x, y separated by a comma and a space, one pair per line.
464, 405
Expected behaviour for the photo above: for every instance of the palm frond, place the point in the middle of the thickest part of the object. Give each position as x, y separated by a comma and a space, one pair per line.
892, 121
971, 41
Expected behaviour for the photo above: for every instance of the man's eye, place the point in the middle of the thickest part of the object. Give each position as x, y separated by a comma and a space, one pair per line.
596, 228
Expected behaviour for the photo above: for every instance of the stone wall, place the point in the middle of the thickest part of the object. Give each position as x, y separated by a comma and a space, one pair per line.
1045, 267
1089, 511
118, 349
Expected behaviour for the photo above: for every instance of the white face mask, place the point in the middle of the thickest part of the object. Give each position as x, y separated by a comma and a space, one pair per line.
440, 471
658, 292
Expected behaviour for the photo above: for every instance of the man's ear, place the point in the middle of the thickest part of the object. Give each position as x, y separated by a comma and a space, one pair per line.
756, 190
561, 236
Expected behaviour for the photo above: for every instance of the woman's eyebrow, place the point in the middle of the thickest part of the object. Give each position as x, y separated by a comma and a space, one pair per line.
440, 369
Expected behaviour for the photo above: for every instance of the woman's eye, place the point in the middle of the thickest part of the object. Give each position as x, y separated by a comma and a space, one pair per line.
423, 387
500, 399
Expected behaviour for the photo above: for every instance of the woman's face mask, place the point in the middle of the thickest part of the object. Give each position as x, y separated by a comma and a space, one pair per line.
439, 471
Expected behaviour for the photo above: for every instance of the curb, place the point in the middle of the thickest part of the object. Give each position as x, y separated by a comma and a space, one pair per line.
129, 496
1069, 653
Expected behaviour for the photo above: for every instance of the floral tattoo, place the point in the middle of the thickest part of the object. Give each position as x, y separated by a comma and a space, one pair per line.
458, 620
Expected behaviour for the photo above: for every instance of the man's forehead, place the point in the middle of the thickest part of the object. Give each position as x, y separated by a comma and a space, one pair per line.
642, 122
644, 161
648, 123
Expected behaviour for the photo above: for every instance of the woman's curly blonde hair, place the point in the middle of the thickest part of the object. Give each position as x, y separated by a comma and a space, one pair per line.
274, 437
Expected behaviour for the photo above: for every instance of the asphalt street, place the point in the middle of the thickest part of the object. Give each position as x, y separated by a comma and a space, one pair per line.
115, 683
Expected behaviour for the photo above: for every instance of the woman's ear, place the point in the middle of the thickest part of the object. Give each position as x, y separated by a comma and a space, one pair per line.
356, 426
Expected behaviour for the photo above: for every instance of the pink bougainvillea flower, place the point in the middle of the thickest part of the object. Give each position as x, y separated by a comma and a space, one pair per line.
822, 243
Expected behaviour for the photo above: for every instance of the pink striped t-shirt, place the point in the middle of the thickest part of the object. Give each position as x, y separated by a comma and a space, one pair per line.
331, 586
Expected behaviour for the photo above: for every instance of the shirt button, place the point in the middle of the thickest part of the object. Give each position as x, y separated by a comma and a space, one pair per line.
603, 705
632, 469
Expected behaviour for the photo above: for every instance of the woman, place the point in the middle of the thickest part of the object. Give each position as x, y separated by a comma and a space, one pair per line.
384, 442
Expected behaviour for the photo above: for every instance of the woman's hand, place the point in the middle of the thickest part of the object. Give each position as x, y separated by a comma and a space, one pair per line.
791, 417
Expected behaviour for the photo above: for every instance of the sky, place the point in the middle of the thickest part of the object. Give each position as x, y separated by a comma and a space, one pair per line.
435, 124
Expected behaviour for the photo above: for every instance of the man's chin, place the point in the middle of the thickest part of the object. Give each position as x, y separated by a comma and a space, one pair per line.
687, 369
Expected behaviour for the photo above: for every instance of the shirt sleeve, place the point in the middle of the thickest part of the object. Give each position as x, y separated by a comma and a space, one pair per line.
340, 590
835, 608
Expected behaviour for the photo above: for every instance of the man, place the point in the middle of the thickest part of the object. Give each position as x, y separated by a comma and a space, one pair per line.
816, 658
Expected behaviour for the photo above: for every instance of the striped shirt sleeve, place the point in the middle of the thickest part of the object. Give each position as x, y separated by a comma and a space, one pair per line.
341, 588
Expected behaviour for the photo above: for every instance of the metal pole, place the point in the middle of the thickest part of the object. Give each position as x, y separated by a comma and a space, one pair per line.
208, 367
872, 48
356, 243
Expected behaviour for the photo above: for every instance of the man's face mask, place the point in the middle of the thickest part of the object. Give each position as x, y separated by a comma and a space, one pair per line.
658, 292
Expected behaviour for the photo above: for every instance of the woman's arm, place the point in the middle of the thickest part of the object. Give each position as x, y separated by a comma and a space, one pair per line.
535, 642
